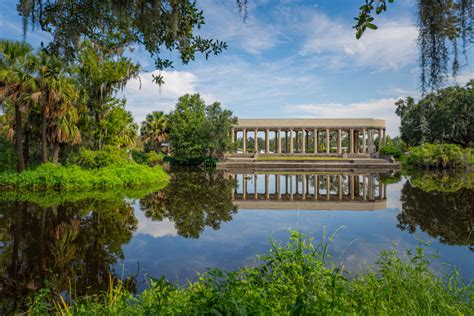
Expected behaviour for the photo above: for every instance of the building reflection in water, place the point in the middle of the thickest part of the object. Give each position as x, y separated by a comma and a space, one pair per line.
309, 191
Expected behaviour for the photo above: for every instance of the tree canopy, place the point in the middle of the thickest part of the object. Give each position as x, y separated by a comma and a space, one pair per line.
445, 116
198, 131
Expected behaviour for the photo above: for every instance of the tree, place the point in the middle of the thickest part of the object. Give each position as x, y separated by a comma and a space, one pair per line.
17, 87
219, 126
188, 138
154, 130
59, 95
166, 25
446, 116
101, 74
117, 127
198, 131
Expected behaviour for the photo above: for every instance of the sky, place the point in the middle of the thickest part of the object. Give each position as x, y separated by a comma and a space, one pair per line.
289, 59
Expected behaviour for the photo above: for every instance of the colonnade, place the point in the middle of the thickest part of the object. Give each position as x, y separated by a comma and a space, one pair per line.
329, 187
296, 138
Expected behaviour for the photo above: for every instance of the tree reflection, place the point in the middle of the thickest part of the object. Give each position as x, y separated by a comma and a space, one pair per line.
71, 246
193, 200
448, 216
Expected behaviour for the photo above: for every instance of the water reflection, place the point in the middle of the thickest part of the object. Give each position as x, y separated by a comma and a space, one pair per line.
71, 245
310, 191
448, 216
192, 200
75, 240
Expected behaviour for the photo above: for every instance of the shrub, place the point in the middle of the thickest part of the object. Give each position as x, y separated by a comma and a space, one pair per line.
151, 158
391, 150
295, 279
440, 156
93, 159
69, 178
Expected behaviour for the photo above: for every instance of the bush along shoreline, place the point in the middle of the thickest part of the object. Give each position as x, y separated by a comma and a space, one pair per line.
431, 156
72, 177
294, 279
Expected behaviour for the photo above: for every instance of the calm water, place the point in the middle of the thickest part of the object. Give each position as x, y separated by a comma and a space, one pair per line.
216, 219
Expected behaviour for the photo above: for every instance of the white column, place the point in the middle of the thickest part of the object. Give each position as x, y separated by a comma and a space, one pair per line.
371, 141
255, 145
339, 184
255, 186
303, 141
328, 186
327, 141
244, 189
351, 140
291, 141
279, 141
232, 136
267, 141
315, 141
380, 137
244, 141
339, 141
364, 141
384, 137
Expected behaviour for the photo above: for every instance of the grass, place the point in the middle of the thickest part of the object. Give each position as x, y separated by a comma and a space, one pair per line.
72, 178
299, 158
293, 279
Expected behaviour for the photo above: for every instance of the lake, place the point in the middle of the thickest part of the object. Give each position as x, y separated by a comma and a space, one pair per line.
206, 219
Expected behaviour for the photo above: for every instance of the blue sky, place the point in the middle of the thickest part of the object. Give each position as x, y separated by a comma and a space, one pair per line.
292, 58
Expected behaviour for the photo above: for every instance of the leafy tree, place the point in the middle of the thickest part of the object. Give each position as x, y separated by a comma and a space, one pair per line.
101, 74
198, 131
166, 25
154, 130
446, 116
219, 124
17, 87
188, 137
117, 127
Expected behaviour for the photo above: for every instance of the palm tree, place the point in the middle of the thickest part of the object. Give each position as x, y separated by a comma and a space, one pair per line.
58, 95
17, 87
155, 129
63, 119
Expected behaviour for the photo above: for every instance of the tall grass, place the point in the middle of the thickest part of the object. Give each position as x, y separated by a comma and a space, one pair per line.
297, 278
69, 178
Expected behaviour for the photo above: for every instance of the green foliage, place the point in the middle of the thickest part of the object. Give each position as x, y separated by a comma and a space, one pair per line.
8, 156
294, 279
197, 131
442, 182
447, 156
70, 178
154, 130
94, 159
151, 158
161, 26
446, 116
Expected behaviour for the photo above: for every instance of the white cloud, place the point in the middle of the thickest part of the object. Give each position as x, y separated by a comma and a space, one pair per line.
151, 97
155, 228
380, 109
392, 46
224, 22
